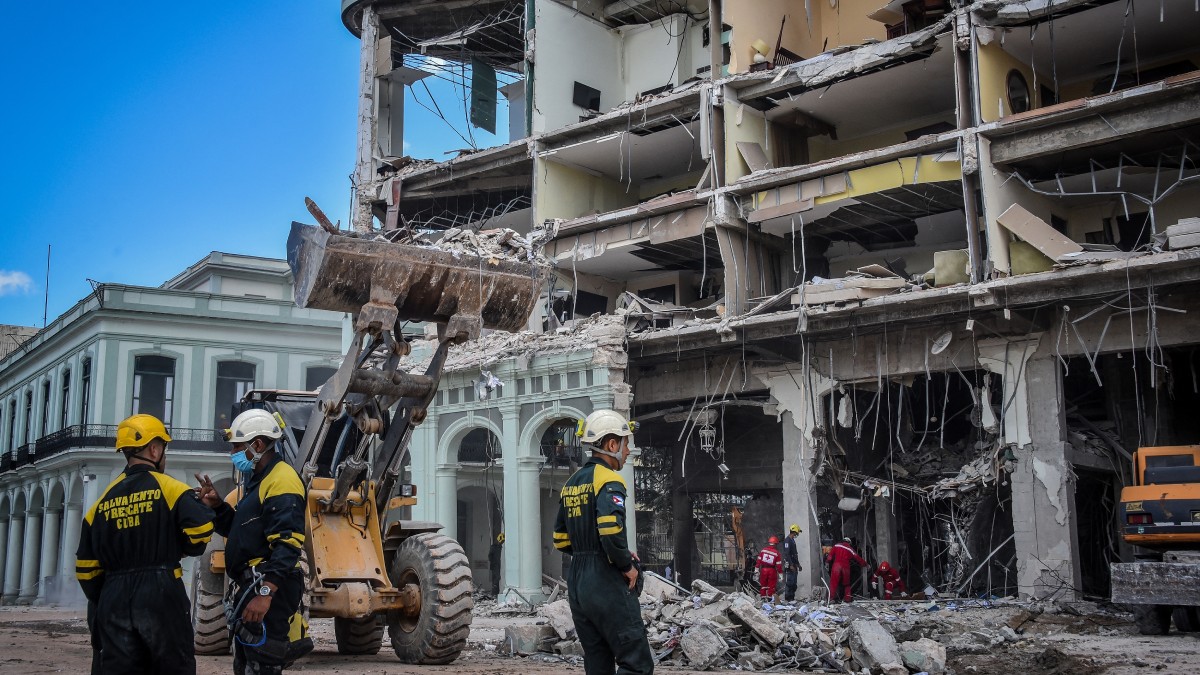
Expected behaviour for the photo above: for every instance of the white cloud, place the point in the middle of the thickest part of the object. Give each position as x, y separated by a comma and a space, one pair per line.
14, 282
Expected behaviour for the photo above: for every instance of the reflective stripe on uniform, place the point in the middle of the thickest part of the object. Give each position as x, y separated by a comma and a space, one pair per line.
87, 569
294, 539
201, 534
606, 531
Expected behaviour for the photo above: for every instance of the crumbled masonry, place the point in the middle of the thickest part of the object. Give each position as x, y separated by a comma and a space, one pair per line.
709, 629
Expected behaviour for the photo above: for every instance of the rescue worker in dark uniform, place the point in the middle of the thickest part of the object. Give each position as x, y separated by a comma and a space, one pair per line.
495, 555
601, 581
791, 564
131, 542
265, 536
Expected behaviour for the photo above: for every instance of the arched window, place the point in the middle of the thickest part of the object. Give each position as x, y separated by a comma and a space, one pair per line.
317, 376
85, 390
28, 416
45, 426
154, 386
479, 445
64, 403
12, 424
234, 379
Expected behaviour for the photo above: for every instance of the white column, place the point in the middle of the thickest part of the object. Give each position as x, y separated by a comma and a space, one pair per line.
630, 505
3, 550
50, 543
72, 523
526, 529
12, 569
29, 561
446, 493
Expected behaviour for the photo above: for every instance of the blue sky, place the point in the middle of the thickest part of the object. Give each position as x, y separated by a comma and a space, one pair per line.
139, 136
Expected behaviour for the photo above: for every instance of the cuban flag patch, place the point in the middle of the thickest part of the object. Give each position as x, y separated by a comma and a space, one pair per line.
619, 500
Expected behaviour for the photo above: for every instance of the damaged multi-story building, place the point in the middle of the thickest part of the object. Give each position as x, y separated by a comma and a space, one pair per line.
918, 273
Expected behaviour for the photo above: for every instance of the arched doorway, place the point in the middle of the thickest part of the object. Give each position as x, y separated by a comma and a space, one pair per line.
480, 519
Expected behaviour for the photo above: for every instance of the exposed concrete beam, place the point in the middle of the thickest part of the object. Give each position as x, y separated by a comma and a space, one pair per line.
685, 103
460, 185
956, 301
467, 166
786, 176
1098, 129
853, 63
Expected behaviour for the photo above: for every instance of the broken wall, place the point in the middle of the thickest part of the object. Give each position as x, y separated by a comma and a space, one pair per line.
994, 66
743, 124
571, 47
661, 53
809, 26
566, 192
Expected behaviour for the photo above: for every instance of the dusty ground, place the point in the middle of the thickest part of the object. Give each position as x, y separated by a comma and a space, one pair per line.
52, 640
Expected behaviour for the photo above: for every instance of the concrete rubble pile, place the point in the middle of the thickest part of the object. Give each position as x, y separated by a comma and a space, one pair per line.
706, 628
604, 334
497, 243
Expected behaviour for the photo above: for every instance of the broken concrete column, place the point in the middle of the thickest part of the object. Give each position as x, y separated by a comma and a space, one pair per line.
559, 615
873, 647
799, 426
1043, 491
742, 610
526, 640
702, 646
924, 655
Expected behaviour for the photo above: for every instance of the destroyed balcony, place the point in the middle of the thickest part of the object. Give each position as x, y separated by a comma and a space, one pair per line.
1038, 54
488, 31
759, 35
841, 102
896, 220
479, 190
590, 60
1098, 179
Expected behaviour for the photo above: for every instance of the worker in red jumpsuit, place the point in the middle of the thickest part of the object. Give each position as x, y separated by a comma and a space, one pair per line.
891, 581
770, 566
839, 558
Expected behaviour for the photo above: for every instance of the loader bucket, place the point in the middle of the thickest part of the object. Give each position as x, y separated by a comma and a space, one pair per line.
344, 273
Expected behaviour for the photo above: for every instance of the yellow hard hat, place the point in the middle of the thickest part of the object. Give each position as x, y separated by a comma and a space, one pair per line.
138, 430
500, 538
794, 528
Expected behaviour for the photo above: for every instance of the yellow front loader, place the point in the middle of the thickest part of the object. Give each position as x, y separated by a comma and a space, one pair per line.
368, 567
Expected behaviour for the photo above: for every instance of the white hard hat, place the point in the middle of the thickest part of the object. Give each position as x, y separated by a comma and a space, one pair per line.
604, 423
254, 423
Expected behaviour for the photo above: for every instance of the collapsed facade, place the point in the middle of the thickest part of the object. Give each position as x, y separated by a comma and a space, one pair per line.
920, 274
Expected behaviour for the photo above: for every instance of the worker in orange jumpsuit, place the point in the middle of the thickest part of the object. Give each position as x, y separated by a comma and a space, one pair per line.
839, 558
770, 566
891, 581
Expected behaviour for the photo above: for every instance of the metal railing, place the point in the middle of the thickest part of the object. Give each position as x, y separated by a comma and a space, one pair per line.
104, 436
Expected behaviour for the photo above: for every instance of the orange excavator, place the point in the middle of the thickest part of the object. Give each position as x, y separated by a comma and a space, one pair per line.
1161, 514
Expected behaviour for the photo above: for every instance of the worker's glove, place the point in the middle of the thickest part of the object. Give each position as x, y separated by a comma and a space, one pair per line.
874, 585
903, 594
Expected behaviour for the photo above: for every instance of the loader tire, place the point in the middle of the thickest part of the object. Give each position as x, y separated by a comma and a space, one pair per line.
1152, 619
1187, 619
209, 629
436, 632
358, 636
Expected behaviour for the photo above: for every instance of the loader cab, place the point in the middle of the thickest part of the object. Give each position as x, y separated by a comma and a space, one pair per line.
295, 407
